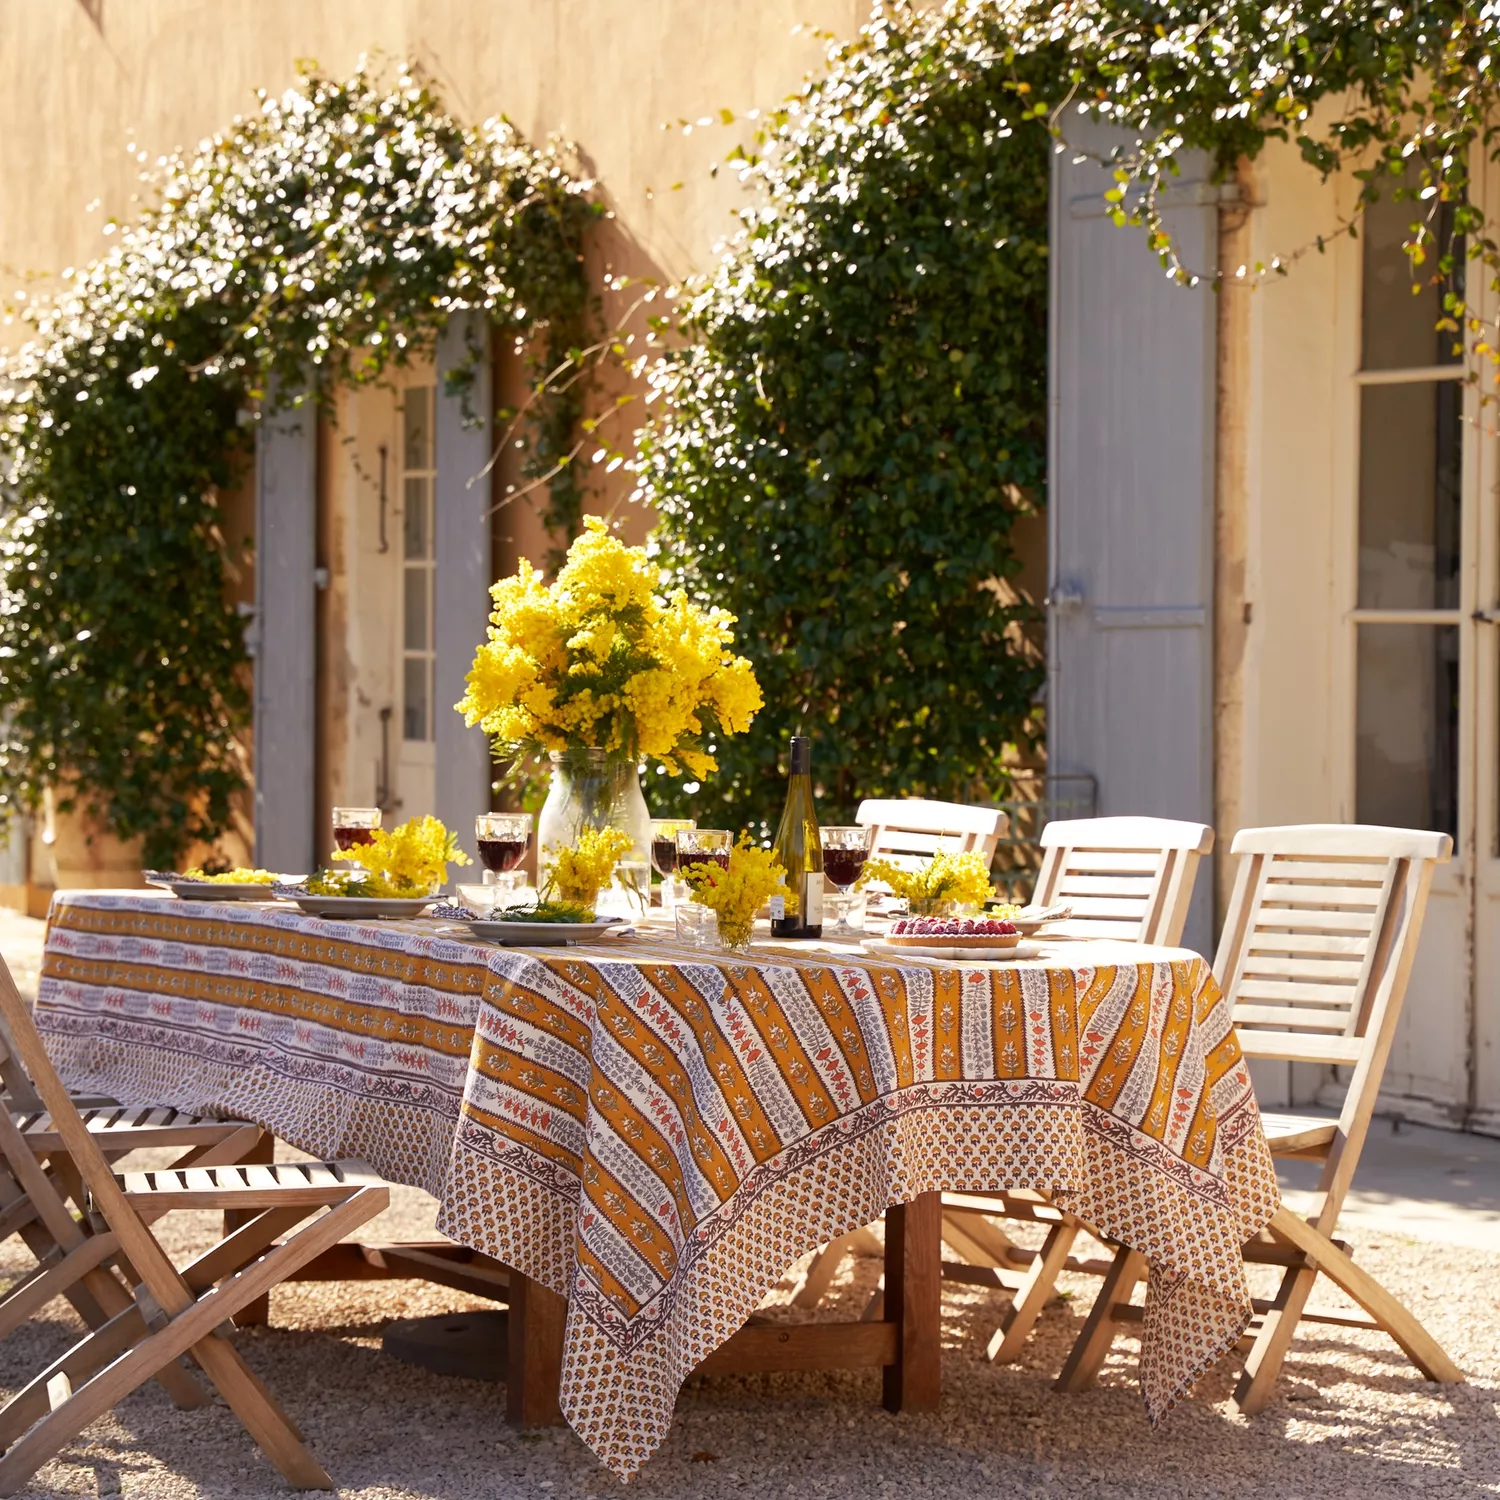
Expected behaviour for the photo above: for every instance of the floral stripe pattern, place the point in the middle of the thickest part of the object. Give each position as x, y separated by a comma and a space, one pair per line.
657, 1133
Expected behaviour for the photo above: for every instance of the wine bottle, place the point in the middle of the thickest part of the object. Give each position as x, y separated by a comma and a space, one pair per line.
801, 853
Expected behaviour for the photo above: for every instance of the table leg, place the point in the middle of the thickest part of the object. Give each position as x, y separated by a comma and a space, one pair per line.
534, 1373
259, 1310
913, 1302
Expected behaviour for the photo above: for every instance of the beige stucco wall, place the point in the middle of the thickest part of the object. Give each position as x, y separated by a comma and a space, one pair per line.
166, 73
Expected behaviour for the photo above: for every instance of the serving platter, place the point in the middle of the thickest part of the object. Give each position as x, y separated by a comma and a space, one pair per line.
190, 889
542, 934
957, 955
352, 908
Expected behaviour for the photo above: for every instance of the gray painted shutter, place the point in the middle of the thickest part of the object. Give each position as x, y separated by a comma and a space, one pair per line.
285, 639
462, 546
1131, 494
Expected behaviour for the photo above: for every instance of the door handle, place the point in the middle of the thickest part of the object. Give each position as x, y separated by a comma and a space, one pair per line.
1487, 616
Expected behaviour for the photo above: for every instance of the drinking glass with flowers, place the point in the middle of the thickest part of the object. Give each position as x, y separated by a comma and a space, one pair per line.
598, 670
943, 883
736, 892
579, 872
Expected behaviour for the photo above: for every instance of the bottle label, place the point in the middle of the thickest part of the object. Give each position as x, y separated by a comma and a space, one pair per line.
778, 908
812, 900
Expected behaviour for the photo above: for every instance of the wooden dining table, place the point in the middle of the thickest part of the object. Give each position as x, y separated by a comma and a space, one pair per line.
649, 1134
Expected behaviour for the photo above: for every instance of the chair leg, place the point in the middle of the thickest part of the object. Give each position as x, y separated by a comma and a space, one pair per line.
975, 1239
1265, 1359
813, 1282
1086, 1358
1263, 1363
1035, 1292
194, 1331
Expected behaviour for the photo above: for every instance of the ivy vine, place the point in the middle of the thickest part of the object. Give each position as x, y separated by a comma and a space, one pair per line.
312, 245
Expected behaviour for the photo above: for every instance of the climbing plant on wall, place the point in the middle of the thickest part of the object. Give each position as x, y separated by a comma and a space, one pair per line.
856, 419
311, 245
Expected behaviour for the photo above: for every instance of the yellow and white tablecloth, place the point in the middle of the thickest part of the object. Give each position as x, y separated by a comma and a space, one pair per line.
658, 1132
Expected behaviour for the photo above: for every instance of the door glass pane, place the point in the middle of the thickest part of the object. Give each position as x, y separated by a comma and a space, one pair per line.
1410, 506
414, 525
1400, 327
1406, 755
415, 610
414, 699
416, 427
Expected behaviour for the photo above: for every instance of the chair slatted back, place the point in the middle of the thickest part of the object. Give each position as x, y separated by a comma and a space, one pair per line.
1319, 942
909, 830
1125, 878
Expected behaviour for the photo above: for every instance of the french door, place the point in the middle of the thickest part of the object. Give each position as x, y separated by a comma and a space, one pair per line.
1426, 667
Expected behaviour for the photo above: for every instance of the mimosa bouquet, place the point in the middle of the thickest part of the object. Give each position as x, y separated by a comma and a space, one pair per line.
736, 894
599, 659
581, 871
963, 879
409, 860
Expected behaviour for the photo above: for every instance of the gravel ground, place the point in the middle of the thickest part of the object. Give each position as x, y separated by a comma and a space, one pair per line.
1351, 1416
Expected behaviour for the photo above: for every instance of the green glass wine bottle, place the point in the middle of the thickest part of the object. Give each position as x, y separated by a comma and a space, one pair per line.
800, 851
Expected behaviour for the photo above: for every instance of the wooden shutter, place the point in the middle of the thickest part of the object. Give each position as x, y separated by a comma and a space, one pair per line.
285, 637
1131, 496
465, 431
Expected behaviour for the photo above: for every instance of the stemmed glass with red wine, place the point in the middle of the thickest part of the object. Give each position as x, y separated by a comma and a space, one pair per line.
355, 825
845, 850
503, 839
664, 833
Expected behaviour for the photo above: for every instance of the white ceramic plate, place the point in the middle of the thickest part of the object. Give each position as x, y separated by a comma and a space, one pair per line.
542, 934
353, 907
957, 955
214, 890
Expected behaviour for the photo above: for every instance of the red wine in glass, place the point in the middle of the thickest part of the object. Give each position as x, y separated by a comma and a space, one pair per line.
346, 837
842, 866
500, 855
692, 857
664, 857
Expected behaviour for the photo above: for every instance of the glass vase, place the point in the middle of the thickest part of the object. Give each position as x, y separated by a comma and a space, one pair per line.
590, 789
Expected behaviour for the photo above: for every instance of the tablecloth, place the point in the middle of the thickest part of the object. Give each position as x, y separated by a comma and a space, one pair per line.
657, 1132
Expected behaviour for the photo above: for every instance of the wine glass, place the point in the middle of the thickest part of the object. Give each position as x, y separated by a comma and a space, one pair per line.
845, 850
664, 833
703, 846
355, 825
502, 839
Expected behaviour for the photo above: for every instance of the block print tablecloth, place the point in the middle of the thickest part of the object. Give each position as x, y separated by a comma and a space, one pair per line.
657, 1133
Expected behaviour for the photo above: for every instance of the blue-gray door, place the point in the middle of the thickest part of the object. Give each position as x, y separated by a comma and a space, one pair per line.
1131, 524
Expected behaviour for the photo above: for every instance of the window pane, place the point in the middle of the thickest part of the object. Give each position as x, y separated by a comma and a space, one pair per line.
415, 610
417, 428
1400, 328
414, 698
1406, 755
415, 515
1410, 508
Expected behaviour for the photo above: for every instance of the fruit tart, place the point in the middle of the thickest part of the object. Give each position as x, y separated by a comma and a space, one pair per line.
952, 932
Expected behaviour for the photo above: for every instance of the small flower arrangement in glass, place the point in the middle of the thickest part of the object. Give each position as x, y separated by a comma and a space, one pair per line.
409, 860
945, 883
579, 872
737, 891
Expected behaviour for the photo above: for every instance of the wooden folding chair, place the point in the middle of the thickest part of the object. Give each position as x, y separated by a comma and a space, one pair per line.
1315, 957
1125, 878
910, 830
119, 1131
152, 1313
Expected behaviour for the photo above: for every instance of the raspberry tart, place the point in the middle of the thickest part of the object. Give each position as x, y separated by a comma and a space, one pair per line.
952, 932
